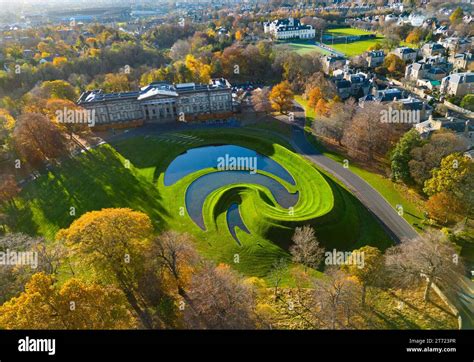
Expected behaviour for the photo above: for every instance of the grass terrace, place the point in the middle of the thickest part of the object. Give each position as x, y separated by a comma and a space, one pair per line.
100, 179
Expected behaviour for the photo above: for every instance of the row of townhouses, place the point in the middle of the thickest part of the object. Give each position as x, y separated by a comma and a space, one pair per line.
161, 102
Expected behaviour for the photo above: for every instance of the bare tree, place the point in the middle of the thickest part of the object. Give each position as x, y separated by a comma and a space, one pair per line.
333, 127
335, 299
260, 100
221, 299
430, 258
14, 277
306, 249
276, 274
180, 49
368, 136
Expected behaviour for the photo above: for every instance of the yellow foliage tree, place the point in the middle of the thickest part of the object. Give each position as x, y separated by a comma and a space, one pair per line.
45, 304
200, 70
116, 243
58, 61
314, 96
281, 97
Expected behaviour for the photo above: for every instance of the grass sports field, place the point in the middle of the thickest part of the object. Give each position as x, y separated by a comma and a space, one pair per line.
303, 48
102, 179
355, 48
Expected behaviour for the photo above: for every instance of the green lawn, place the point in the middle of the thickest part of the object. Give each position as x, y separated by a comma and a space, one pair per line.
347, 31
355, 48
310, 113
100, 179
303, 48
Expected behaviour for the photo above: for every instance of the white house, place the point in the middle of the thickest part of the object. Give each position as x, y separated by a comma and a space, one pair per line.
290, 28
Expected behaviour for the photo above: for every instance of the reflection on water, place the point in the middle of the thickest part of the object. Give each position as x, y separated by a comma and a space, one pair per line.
199, 158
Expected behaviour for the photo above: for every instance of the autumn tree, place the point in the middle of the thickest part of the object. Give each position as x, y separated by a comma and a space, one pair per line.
45, 304
306, 249
7, 124
394, 64
414, 37
338, 120
445, 208
276, 275
319, 80
429, 155
57, 110
58, 89
322, 107
367, 136
180, 49
116, 83
260, 100
429, 258
281, 97
116, 243
401, 156
49, 257
8, 189
314, 95
37, 139
370, 273
178, 256
456, 16
455, 176
200, 70
221, 298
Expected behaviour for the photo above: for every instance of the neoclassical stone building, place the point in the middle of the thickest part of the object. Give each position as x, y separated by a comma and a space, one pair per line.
161, 102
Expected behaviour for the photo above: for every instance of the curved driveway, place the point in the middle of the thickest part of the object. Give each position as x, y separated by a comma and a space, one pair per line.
395, 224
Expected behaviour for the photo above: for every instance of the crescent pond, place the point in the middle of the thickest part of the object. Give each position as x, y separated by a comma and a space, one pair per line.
233, 165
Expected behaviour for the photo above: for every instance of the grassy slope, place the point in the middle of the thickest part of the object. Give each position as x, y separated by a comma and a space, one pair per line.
99, 179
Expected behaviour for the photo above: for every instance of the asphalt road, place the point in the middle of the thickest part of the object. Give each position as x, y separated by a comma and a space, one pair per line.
395, 224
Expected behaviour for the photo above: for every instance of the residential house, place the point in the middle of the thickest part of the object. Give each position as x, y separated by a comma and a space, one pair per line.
407, 54
422, 70
464, 129
423, 109
333, 62
442, 30
458, 84
456, 44
375, 58
352, 85
462, 61
432, 49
